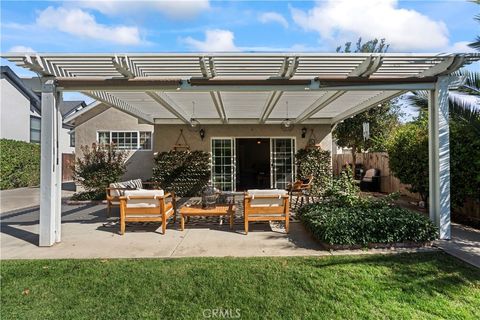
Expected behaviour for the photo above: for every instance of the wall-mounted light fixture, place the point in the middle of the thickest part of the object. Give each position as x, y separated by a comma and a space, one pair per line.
202, 133
304, 132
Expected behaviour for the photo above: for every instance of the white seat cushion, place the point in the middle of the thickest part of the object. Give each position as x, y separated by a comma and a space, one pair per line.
150, 196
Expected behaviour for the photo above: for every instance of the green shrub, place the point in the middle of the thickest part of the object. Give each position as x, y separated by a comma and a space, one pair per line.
369, 222
183, 172
316, 162
19, 164
408, 159
408, 155
100, 165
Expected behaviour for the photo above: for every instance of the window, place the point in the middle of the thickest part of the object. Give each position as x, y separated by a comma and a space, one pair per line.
223, 164
127, 140
145, 140
35, 124
72, 138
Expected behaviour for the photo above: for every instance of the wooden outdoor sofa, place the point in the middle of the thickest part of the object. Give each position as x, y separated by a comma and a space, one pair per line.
147, 206
266, 205
117, 189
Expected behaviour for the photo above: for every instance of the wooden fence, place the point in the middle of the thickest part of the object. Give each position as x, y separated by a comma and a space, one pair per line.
389, 183
377, 160
67, 162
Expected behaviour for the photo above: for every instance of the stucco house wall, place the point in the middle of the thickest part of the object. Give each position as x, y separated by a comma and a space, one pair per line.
166, 135
14, 113
139, 163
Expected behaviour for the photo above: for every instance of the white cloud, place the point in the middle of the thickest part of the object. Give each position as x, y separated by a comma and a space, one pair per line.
216, 40
21, 49
403, 29
178, 9
460, 47
268, 17
80, 23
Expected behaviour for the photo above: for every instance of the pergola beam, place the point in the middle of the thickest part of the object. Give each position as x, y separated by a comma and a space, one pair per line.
121, 65
319, 104
218, 102
118, 104
168, 105
378, 99
368, 67
270, 104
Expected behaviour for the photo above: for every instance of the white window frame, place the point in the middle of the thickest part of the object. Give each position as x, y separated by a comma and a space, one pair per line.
138, 138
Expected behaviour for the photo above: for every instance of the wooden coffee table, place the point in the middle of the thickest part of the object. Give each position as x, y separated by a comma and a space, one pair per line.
197, 210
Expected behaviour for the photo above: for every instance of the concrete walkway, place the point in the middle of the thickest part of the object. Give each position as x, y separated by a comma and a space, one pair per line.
465, 244
22, 198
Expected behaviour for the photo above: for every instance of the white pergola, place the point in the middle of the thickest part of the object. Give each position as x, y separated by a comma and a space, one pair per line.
243, 88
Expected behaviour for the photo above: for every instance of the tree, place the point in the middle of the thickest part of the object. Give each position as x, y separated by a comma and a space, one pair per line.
374, 46
381, 119
476, 44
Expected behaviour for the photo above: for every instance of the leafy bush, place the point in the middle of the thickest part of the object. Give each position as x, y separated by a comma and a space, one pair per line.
19, 164
343, 217
408, 158
369, 222
408, 155
316, 162
183, 172
100, 165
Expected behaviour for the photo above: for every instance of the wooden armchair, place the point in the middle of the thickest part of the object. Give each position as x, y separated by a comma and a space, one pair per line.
147, 206
117, 190
266, 205
301, 189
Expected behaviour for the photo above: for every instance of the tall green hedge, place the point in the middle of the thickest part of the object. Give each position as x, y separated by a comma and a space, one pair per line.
183, 172
316, 162
19, 164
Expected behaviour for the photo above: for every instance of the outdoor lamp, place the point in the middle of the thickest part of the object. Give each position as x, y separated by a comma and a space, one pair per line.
304, 132
202, 133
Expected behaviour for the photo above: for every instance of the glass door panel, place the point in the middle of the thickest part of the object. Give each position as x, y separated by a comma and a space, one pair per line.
282, 157
223, 164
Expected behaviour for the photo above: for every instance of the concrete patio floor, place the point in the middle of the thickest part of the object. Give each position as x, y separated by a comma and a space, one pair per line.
87, 233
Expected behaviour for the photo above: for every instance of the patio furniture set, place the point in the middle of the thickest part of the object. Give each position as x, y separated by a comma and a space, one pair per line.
155, 205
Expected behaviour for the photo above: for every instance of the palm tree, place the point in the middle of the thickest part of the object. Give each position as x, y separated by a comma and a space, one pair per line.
476, 44
463, 102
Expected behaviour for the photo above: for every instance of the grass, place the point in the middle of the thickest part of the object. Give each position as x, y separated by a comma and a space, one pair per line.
404, 286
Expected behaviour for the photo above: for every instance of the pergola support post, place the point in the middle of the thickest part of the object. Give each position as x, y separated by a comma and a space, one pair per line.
50, 169
439, 157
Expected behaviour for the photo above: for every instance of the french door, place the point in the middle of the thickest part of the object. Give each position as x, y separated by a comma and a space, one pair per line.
223, 163
282, 158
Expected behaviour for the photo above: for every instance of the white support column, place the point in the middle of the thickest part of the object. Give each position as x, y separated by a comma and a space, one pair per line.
439, 156
50, 195
58, 173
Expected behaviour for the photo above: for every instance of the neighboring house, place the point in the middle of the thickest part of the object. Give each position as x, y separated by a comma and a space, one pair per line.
20, 112
245, 156
100, 123
19, 109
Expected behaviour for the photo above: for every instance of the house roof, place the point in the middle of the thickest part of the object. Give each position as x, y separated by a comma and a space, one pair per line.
69, 107
7, 73
224, 88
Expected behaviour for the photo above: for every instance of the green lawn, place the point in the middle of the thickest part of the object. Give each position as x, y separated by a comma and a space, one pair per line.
421, 286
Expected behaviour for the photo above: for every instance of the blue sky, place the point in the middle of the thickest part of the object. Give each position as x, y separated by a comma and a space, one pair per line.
183, 26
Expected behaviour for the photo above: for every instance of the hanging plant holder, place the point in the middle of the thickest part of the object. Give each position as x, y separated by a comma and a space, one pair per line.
181, 146
312, 141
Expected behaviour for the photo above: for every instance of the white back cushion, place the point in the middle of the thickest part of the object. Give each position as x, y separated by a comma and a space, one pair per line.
275, 197
150, 198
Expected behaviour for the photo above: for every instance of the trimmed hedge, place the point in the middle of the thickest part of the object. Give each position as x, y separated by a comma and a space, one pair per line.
183, 172
19, 164
367, 222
